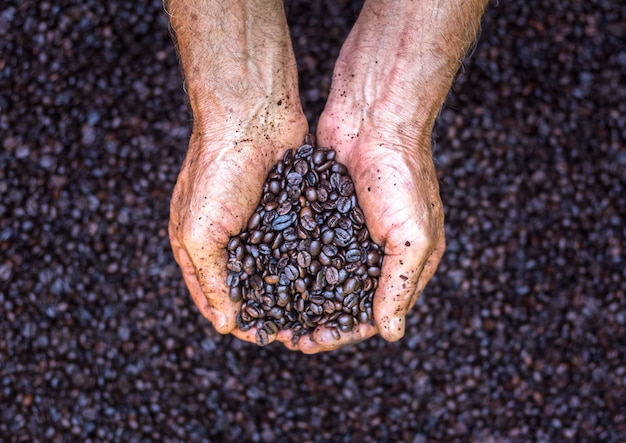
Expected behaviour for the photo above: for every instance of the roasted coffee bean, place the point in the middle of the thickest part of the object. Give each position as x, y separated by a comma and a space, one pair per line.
373, 271
254, 221
308, 223
235, 294
294, 178
301, 167
327, 236
234, 265
344, 204
299, 285
333, 220
291, 272
357, 216
289, 234
329, 306
256, 282
330, 250
337, 262
304, 151
332, 275
353, 255
351, 300
345, 187
233, 243
249, 266
351, 284
346, 322
342, 237
256, 237
324, 166
315, 248
304, 259
311, 178
322, 195
373, 258
270, 327
282, 298
262, 338
282, 222
323, 259
335, 333
232, 279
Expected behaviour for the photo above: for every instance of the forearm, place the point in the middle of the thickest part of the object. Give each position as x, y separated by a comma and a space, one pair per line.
237, 60
400, 59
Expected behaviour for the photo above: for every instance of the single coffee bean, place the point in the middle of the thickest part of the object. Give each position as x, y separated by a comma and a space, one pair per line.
323, 259
351, 300
270, 327
294, 179
308, 223
291, 272
254, 221
335, 333
328, 236
282, 222
342, 237
233, 243
249, 266
345, 187
301, 167
235, 294
304, 151
234, 265
322, 195
344, 204
373, 271
346, 322
311, 178
304, 259
353, 255
330, 250
289, 234
262, 338
329, 306
332, 275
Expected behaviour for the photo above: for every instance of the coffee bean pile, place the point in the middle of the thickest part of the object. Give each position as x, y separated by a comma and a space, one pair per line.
306, 257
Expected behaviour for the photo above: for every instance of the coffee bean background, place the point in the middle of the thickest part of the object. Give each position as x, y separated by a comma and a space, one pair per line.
519, 337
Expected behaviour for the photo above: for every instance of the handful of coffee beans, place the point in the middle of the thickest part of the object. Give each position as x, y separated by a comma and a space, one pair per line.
306, 258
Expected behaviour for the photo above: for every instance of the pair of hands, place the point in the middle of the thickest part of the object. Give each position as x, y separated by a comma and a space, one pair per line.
378, 118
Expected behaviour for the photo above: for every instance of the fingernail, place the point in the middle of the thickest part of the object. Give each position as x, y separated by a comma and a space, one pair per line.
219, 320
396, 328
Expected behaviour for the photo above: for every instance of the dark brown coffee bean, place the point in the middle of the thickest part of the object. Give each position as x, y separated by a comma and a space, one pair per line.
332, 275
254, 221
270, 327
249, 266
235, 294
234, 265
346, 322
242, 324
316, 309
351, 300
262, 338
344, 204
323, 259
337, 262
363, 234
291, 272
233, 243
232, 279
339, 169
335, 180
256, 237
357, 216
284, 208
367, 285
271, 279
290, 234
353, 255
311, 178
256, 282
252, 311
301, 167
276, 312
299, 285
351, 284
351, 267
327, 236
304, 151
373, 271
345, 186
373, 258
333, 220
282, 222
300, 306
324, 166
282, 298
294, 179
315, 248
342, 237
322, 196
318, 157
329, 306
363, 317
304, 259
335, 333
330, 250
320, 279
